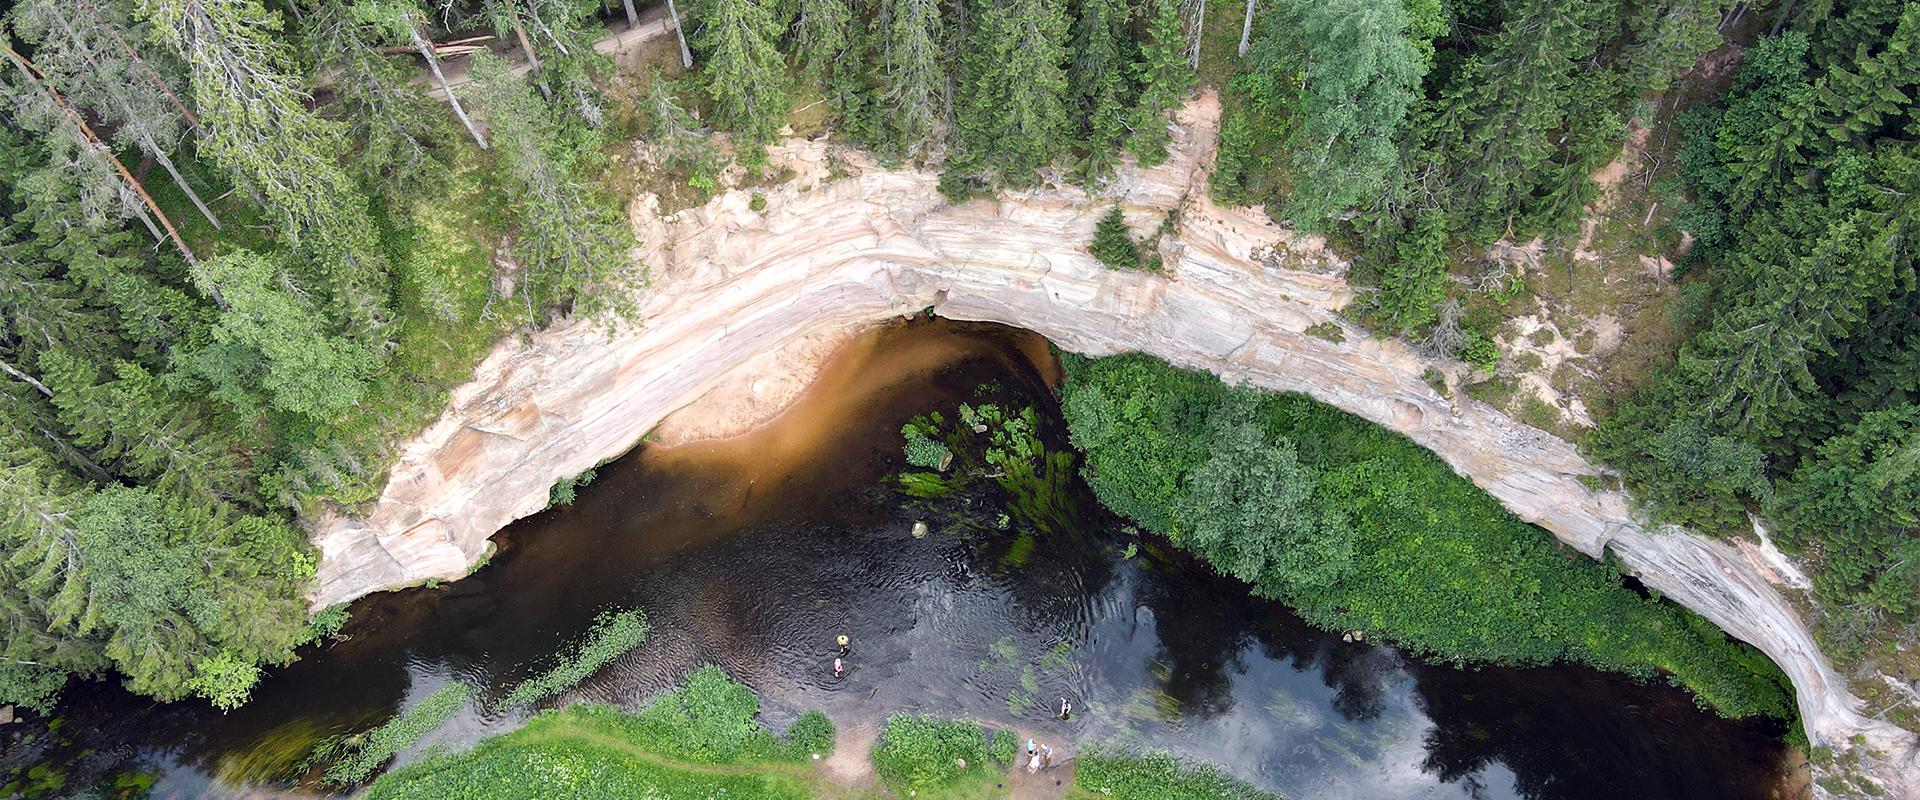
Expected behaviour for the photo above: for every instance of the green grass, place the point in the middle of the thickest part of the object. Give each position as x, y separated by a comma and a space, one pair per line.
1101, 773
700, 741
936, 758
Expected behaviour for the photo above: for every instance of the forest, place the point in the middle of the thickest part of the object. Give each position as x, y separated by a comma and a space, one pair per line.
248, 246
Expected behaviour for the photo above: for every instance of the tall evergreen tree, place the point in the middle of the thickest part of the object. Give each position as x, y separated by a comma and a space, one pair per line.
1098, 77
261, 133
1012, 111
744, 74
911, 38
1164, 77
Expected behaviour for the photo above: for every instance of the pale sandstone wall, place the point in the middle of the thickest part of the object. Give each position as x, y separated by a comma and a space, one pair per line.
733, 287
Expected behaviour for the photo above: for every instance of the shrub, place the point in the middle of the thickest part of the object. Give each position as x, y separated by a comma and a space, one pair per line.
563, 491
923, 755
612, 635
924, 452
1435, 563
1113, 242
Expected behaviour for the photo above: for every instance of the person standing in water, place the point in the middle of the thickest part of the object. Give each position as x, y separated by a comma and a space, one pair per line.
1066, 709
843, 642
839, 668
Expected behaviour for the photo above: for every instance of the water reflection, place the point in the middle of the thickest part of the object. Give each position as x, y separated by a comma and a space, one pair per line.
754, 553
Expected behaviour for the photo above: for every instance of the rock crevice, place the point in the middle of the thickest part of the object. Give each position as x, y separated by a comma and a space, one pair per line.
829, 255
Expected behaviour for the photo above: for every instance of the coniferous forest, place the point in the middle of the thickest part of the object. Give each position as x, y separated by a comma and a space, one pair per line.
249, 245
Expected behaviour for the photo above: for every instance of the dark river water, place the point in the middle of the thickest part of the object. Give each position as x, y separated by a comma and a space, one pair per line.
755, 553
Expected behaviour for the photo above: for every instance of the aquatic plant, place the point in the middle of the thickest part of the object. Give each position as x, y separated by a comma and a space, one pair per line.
612, 635
1157, 776
924, 452
359, 756
930, 757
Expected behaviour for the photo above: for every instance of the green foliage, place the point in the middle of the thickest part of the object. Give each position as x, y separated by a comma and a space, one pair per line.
714, 719
267, 339
1108, 772
613, 634
596, 752
571, 239
1098, 83
1113, 241
1012, 94
1164, 77
360, 756
31, 686
563, 491
1395, 543
923, 451
913, 100
226, 679
1856, 505
744, 76
924, 756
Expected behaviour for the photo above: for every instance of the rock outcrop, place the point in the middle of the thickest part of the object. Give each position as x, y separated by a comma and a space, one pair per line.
828, 255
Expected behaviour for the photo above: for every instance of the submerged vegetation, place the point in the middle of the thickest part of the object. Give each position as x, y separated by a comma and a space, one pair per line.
614, 634
1360, 529
992, 442
357, 757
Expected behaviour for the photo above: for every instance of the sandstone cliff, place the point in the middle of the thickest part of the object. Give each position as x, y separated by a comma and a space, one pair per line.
829, 255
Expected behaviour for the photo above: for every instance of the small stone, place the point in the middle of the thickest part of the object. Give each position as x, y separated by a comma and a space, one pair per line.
6, 715
960, 762
1359, 636
1346, 637
979, 427
919, 530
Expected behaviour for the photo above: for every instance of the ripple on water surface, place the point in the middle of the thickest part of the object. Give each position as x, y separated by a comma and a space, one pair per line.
755, 553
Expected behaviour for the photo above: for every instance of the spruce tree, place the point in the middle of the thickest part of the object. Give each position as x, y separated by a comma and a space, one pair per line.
1012, 111
1362, 74
744, 74
1164, 75
1113, 241
914, 103
1100, 87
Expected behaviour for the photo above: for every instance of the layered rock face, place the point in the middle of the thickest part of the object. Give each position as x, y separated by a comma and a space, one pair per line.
735, 287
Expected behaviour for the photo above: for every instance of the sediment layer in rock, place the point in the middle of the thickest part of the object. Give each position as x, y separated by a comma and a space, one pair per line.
733, 285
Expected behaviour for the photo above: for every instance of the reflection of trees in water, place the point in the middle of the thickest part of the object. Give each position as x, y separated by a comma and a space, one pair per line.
1566, 733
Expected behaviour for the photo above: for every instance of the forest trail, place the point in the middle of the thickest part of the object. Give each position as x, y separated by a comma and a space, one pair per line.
653, 26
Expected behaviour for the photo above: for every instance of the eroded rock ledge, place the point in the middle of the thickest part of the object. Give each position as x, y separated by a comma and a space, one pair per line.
831, 255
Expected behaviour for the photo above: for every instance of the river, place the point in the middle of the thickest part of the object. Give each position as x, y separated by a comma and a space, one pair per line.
754, 553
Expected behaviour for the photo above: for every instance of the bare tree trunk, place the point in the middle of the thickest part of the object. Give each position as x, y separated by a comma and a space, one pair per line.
686, 56
35, 77
8, 368
1246, 30
425, 47
1196, 27
526, 45
166, 163
633, 20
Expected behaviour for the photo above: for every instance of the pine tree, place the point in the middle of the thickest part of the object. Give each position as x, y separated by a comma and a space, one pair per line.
1012, 112
1113, 241
1164, 76
820, 37
744, 74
